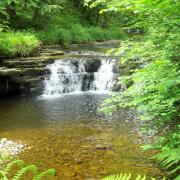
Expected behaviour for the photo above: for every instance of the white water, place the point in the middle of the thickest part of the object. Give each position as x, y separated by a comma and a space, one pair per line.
104, 78
69, 76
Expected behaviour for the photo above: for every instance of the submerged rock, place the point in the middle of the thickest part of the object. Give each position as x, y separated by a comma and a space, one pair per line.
103, 148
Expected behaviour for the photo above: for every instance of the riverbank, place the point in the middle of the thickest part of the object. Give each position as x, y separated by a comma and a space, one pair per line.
28, 43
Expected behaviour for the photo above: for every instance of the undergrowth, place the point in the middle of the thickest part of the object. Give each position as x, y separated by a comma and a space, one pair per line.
18, 43
77, 33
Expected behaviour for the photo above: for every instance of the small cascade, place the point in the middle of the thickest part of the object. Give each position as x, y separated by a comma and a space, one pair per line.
65, 77
104, 78
74, 76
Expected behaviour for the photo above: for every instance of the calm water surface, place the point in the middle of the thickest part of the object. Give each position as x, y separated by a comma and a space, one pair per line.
69, 134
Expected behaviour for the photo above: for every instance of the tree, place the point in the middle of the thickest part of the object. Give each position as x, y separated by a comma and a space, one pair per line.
14, 12
153, 86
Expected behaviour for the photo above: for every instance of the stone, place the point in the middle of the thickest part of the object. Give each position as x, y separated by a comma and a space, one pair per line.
55, 53
103, 148
14, 72
92, 66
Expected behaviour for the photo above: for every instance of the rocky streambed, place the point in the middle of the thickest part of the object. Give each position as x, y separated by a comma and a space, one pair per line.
27, 73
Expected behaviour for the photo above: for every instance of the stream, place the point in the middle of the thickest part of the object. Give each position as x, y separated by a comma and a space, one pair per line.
62, 127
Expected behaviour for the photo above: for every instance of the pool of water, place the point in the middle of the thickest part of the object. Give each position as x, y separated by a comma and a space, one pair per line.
68, 133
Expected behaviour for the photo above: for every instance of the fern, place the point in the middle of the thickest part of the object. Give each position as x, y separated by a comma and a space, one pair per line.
128, 177
20, 173
10, 165
3, 175
5, 171
50, 172
118, 177
125, 177
170, 159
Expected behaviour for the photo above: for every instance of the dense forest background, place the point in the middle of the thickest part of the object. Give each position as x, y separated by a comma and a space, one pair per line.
151, 48
25, 25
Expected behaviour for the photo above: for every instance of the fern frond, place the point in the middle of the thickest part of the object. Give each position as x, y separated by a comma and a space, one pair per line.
118, 177
50, 172
20, 173
9, 166
141, 177
3, 175
125, 177
169, 158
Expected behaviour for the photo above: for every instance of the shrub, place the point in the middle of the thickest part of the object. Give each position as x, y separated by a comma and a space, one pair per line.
18, 43
80, 34
96, 33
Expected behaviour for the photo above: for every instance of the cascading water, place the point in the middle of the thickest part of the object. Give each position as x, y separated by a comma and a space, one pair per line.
104, 78
72, 76
65, 77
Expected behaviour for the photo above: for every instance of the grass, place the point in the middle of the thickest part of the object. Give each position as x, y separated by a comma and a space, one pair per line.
60, 30
77, 33
18, 43
64, 28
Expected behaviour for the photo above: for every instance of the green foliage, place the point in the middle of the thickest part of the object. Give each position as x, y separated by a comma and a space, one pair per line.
13, 11
49, 172
18, 43
52, 22
5, 171
153, 83
76, 33
126, 177
21, 172
170, 159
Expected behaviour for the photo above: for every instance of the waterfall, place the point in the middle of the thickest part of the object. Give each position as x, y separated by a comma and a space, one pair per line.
72, 76
104, 78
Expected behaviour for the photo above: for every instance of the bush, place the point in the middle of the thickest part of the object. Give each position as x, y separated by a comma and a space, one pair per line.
96, 33
100, 34
80, 34
76, 33
18, 43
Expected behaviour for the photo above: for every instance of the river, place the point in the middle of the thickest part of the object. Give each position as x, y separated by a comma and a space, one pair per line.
62, 127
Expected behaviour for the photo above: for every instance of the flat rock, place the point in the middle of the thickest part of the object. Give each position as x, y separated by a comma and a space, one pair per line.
56, 53
10, 72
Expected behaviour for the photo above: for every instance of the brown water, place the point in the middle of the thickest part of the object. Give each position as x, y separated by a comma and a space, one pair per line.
69, 134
